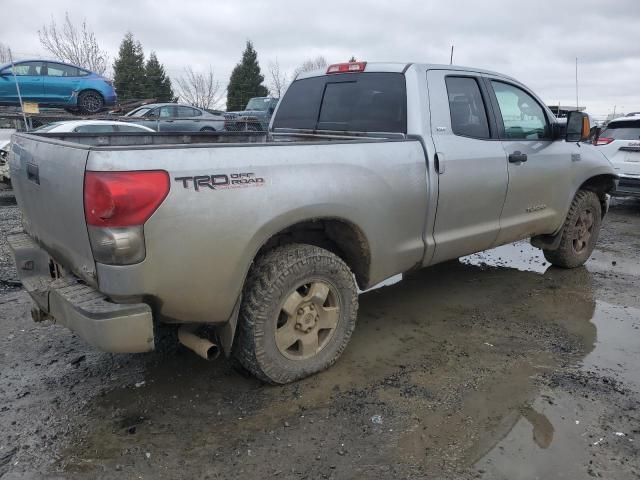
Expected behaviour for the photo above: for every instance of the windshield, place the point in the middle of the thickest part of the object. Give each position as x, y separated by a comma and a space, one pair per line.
139, 113
46, 128
261, 104
627, 130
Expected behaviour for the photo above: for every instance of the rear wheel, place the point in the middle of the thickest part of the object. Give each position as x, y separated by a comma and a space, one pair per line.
207, 129
90, 102
580, 232
298, 312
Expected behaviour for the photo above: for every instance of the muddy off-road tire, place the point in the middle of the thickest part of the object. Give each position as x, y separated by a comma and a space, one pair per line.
298, 312
580, 232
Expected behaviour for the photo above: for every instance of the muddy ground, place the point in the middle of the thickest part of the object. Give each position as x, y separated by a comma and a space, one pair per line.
493, 367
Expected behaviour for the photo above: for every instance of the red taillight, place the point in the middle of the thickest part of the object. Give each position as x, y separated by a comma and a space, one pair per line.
123, 199
604, 141
347, 67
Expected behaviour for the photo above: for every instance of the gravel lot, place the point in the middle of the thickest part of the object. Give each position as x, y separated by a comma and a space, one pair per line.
493, 367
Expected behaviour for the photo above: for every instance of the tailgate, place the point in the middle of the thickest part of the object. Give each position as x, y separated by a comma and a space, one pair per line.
48, 180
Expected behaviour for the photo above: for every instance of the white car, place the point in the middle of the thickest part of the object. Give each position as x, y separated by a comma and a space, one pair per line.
92, 126
620, 142
4, 161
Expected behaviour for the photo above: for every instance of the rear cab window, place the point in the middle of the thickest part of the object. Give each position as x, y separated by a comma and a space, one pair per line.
348, 102
622, 130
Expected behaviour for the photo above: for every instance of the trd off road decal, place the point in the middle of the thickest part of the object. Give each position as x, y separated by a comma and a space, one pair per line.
221, 181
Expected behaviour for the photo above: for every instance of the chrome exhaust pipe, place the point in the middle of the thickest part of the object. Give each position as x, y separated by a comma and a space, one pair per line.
200, 345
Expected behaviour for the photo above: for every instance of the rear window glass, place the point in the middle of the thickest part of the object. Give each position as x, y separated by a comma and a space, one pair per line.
628, 130
356, 102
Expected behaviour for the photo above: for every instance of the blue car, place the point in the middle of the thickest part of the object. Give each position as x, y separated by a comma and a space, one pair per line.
55, 84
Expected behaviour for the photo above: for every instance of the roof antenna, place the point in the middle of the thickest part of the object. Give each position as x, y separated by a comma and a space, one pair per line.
577, 104
451, 57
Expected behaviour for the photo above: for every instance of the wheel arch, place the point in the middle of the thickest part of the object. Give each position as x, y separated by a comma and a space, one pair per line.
335, 234
601, 185
339, 236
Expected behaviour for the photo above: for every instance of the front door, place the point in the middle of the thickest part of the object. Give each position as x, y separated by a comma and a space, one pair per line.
29, 78
472, 165
539, 168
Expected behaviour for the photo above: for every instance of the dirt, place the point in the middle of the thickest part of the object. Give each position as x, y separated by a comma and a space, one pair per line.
496, 366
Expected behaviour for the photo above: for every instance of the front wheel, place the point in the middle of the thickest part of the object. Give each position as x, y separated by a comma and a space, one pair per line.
580, 232
297, 315
90, 102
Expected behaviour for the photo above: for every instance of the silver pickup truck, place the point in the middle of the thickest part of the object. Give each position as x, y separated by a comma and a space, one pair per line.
259, 247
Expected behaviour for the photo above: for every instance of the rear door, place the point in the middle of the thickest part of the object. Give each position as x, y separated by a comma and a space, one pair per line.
472, 178
60, 82
540, 181
620, 142
187, 119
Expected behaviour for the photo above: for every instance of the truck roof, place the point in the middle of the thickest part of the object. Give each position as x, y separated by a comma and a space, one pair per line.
401, 67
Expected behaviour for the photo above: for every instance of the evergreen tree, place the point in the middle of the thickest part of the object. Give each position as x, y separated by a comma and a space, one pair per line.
246, 81
128, 69
157, 85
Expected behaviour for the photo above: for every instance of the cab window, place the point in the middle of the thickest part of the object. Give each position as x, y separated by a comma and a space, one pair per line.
165, 112
60, 70
466, 107
522, 116
186, 112
25, 69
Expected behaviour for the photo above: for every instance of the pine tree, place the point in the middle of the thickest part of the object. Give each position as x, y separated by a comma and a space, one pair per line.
246, 80
128, 68
157, 84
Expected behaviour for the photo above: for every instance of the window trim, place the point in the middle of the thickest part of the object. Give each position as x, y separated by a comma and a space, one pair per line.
498, 112
491, 121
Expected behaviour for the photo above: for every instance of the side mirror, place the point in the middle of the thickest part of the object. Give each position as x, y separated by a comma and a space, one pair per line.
578, 127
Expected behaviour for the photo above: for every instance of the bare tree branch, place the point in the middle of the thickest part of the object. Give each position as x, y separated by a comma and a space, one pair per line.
77, 45
5, 53
311, 64
278, 80
199, 89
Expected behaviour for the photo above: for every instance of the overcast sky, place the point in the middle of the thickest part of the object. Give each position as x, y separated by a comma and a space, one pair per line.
536, 42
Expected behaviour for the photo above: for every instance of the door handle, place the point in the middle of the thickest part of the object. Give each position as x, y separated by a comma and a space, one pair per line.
517, 157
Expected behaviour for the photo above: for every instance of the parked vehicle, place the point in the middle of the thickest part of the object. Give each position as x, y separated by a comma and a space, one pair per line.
255, 117
174, 117
620, 142
93, 126
371, 170
55, 84
5, 177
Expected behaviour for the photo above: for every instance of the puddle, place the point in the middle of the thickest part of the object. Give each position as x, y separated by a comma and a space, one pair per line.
444, 360
519, 255
556, 436
618, 341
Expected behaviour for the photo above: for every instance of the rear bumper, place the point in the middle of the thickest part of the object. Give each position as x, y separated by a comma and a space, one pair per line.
111, 327
628, 186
